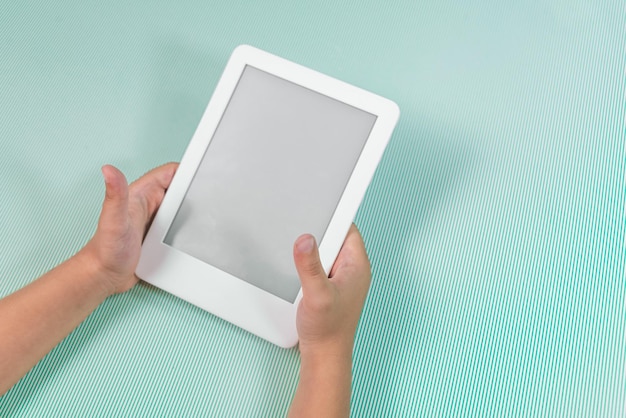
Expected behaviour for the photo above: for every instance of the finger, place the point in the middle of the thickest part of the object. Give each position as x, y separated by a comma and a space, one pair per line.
352, 254
160, 177
115, 205
310, 270
150, 188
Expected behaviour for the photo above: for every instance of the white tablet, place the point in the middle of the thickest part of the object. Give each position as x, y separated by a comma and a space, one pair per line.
281, 150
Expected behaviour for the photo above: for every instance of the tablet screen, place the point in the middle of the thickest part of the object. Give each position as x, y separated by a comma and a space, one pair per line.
275, 168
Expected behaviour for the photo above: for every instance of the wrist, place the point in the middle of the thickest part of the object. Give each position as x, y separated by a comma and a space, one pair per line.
96, 275
321, 354
325, 380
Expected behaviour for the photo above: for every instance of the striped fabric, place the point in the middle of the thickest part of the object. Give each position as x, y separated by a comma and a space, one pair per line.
495, 223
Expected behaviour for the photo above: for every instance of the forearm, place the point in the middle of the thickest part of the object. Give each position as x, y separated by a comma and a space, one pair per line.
324, 385
36, 318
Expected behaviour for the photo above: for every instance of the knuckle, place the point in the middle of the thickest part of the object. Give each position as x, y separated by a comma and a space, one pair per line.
313, 268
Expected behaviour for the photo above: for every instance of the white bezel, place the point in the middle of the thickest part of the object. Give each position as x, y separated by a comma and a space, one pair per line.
224, 295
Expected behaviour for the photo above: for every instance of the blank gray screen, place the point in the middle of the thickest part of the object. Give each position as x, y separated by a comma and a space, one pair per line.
275, 168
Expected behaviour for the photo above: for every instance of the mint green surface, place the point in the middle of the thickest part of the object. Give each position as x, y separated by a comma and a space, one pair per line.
495, 222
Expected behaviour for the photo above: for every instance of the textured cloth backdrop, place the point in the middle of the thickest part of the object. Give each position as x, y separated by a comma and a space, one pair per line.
495, 223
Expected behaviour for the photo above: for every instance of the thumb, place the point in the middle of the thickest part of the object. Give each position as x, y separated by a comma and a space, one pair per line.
115, 206
307, 260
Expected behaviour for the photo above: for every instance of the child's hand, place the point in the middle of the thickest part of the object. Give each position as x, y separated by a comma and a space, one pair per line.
329, 311
35, 318
126, 215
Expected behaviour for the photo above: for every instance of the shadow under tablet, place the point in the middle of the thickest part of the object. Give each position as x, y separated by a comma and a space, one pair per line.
275, 168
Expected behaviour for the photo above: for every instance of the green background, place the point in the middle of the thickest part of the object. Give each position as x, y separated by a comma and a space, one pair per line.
495, 222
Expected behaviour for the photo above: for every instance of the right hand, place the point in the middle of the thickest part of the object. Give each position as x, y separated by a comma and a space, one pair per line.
330, 308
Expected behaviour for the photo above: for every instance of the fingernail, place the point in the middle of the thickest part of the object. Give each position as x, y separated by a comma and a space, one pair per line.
104, 170
104, 176
305, 244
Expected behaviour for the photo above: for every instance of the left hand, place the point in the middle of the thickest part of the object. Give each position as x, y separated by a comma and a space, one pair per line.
127, 213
